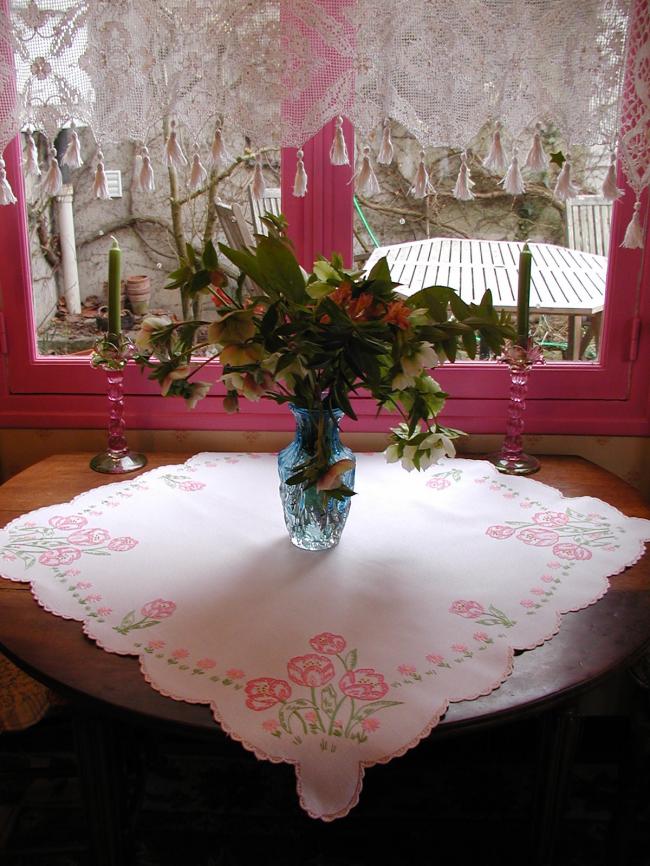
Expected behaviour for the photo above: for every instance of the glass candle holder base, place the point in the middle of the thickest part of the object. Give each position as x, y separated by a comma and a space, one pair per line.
117, 464
522, 464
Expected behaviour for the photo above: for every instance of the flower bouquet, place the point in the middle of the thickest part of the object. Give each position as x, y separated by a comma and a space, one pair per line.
314, 341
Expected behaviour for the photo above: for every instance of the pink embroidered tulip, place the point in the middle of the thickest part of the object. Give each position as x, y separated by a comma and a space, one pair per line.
59, 556
158, 609
125, 542
311, 670
364, 684
537, 536
206, 664
333, 478
550, 518
89, 537
499, 531
71, 522
468, 609
567, 550
266, 692
437, 483
328, 643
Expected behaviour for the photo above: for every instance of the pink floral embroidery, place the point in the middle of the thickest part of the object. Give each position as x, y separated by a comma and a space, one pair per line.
156, 644
500, 531
328, 643
482, 637
527, 602
158, 609
538, 537
406, 670
206, 664
364, 684
67, 523
191, 485
88, 537
266, 692
460, 648
568, 550
550, 518
509, 495
83, 584
438, 483
8, 557
93, 598
537, 590
235, 674
59, 556
311, 717
468, 609
370, 725
180, 653
270, 725
104, 611
547, 578
435, 659
123, 543
311, 670
554, 565
72, 572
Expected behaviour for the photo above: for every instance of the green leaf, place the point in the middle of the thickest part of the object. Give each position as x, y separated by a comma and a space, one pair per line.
380, 271
318, 289
374, 707
199, 281
328, 700
351, 660
247, 263
280, 268
191, 254
289, 710
210, 257
324, 271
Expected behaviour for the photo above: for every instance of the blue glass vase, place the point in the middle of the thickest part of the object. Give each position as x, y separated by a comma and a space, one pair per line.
314, 520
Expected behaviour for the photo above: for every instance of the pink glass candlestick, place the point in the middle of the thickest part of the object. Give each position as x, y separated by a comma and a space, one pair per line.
512, 460
117, 459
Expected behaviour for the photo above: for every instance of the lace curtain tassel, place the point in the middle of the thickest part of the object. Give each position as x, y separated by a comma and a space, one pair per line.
421, 184
258, 186
386, 151
100, 184
513, 182
300, 182
609, 189
496, 161
464, 183
366, 180
339, 149
6, 193
53, 180
633, 239
198, 174
147, 182
219, 155
174, 156
32, 167
536, 158
565, 187
72, 156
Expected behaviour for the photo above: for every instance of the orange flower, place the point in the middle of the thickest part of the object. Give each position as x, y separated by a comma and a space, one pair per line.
361, 307
342, 295
398, 314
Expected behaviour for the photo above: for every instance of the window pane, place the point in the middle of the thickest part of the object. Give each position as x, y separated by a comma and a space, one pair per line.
70, 233
468, 245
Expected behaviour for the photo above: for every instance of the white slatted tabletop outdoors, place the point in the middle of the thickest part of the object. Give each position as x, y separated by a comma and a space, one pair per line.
563, 281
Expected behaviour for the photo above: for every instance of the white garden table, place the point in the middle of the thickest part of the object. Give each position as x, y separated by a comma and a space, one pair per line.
564, 282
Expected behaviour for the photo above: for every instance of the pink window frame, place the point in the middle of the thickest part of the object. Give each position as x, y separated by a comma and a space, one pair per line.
609, 396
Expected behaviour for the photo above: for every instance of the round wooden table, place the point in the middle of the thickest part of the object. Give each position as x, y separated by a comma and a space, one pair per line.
591, 644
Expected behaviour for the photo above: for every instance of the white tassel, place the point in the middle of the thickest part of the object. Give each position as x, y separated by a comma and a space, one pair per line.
147, 182
366, 181
633, 239
513, 182
219, 155
386, 151
100, 184
136, 185
339, 149
464, 182
174, 156
300, 183
31, 157
536, 158
496, 160
422, 186
6, 193
565, 187
198, 174
258, 185
609, 189
53, 180
72, 156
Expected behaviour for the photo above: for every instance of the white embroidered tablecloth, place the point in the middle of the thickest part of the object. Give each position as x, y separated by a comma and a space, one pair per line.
336, 660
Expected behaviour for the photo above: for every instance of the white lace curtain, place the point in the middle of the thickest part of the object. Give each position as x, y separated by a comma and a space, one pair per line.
278, 70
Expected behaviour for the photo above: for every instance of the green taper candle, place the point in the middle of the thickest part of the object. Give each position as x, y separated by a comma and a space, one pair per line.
114, 288
523, 295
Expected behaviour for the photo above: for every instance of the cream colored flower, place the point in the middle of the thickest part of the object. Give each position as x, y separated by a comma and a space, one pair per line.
198, 390
179, 373
238, 355
332, 478
150, 324
424, 357
401, 382
234, 327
